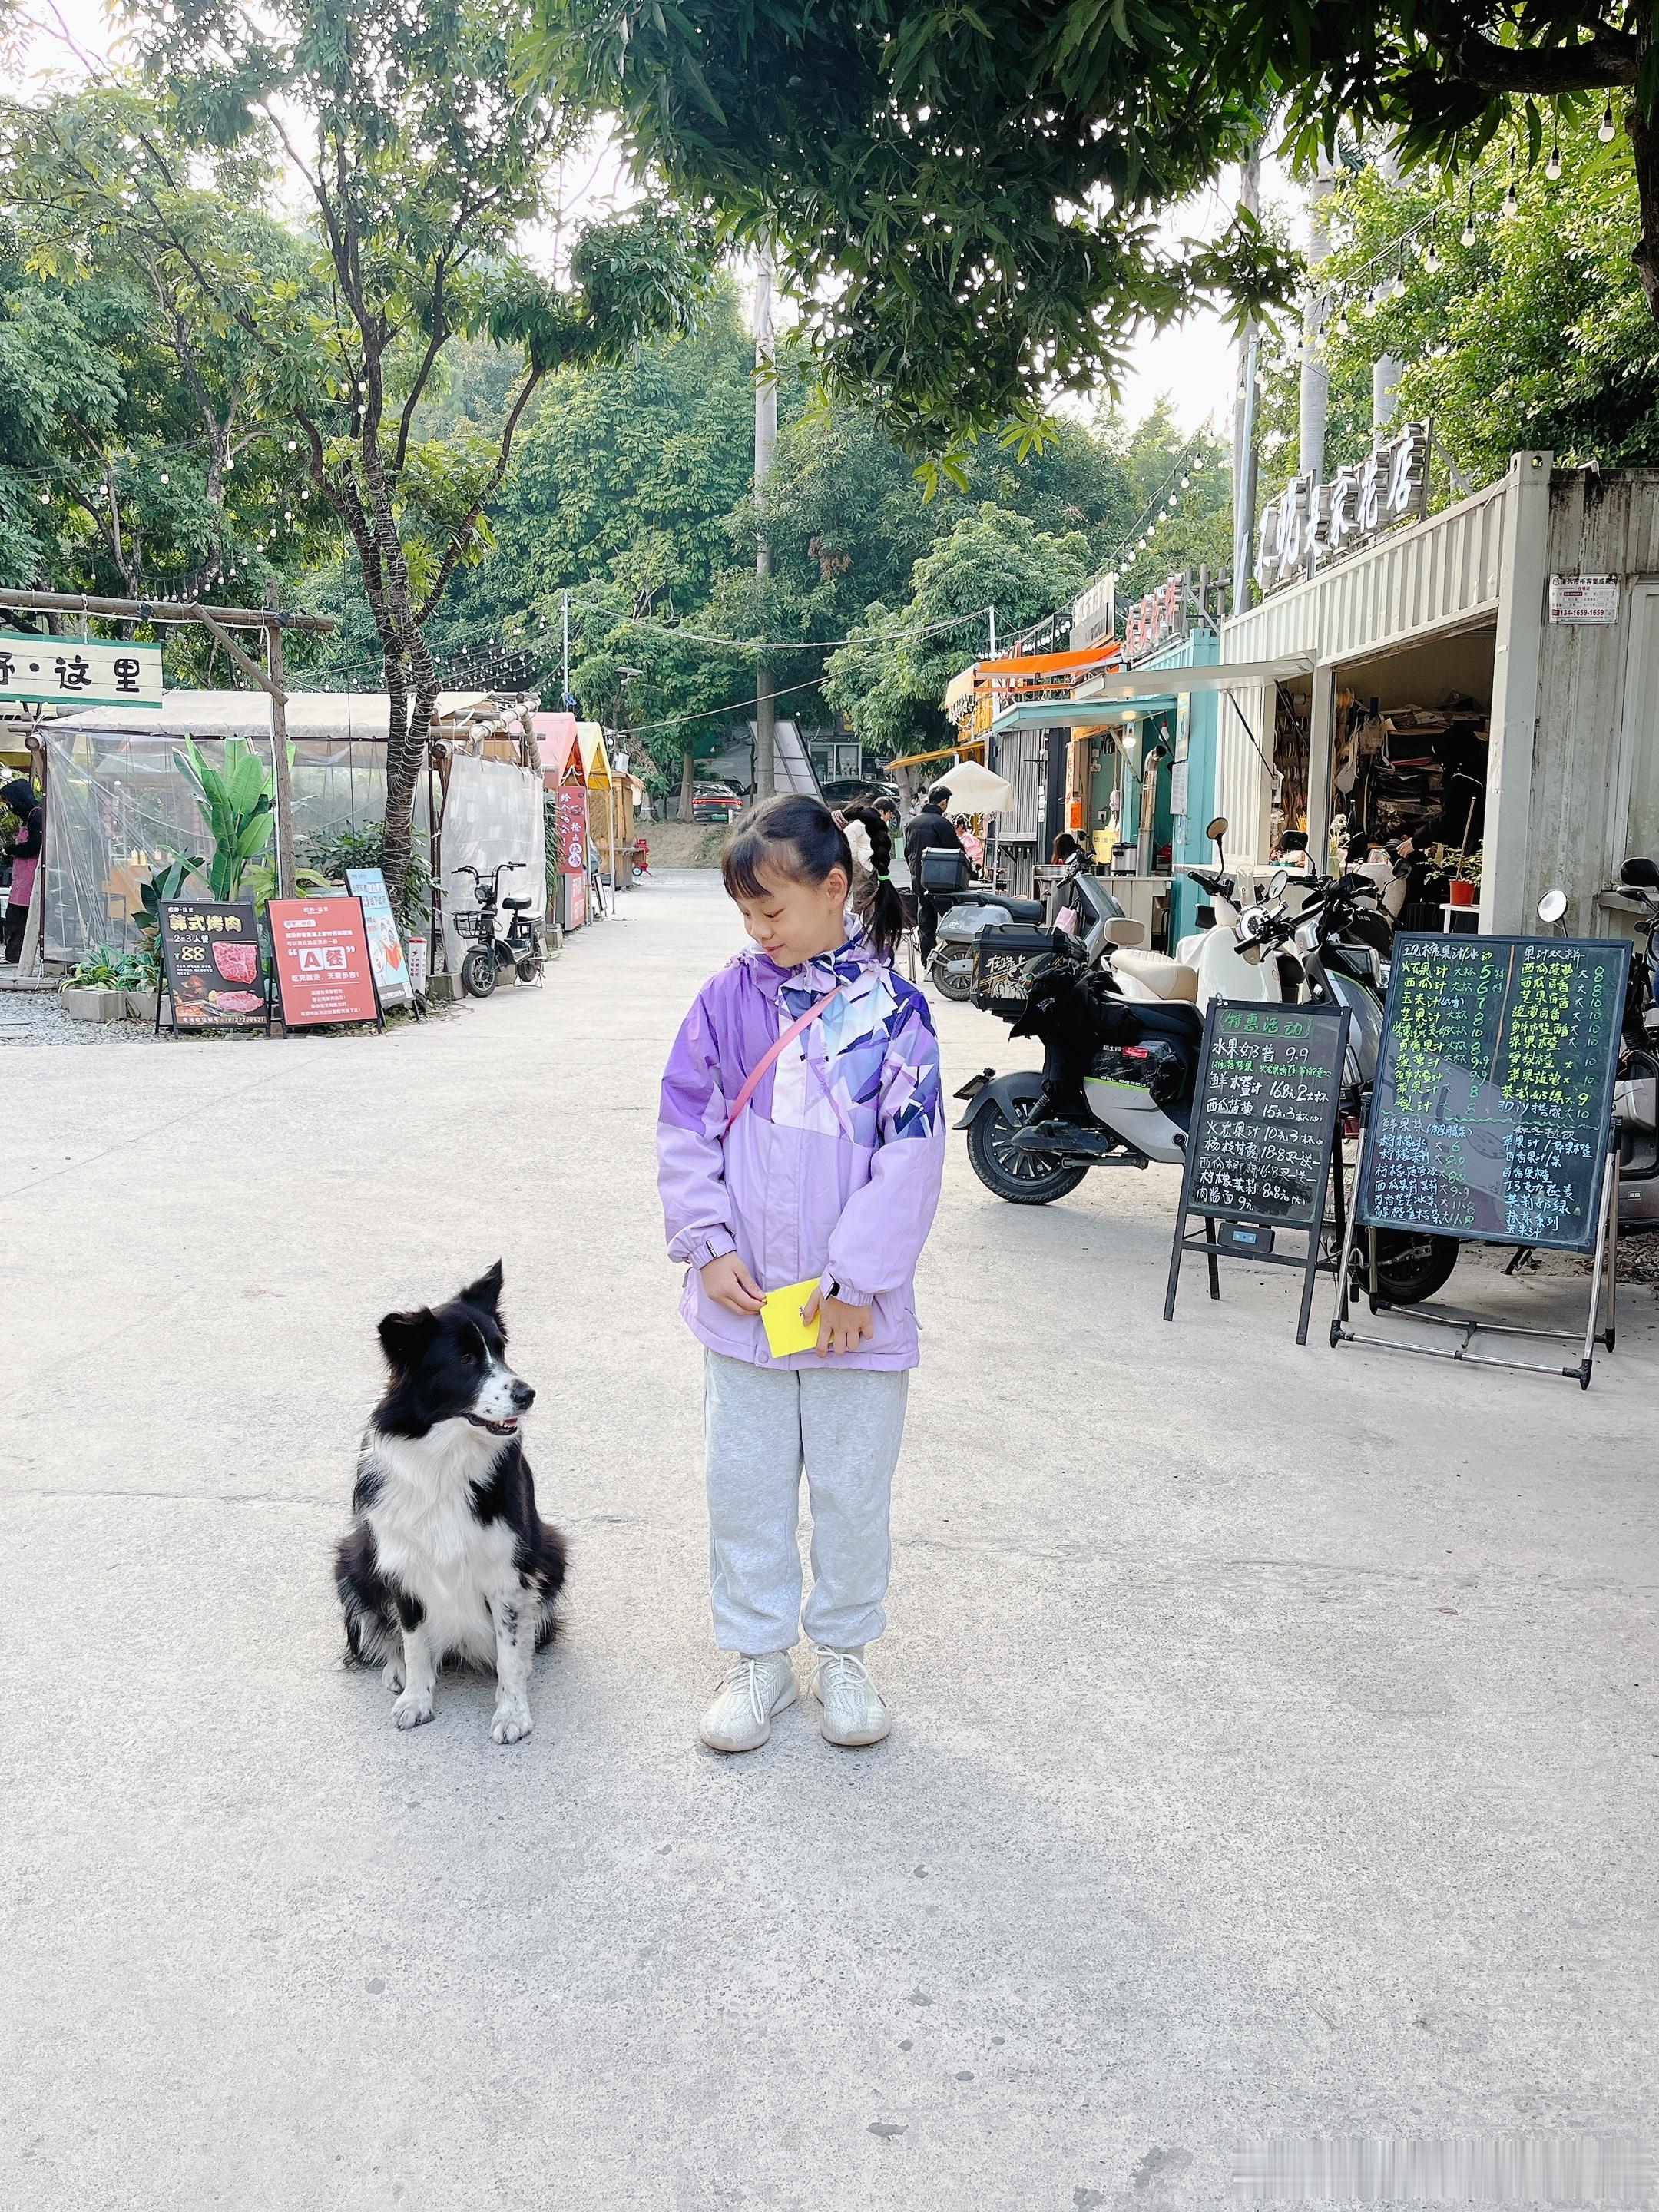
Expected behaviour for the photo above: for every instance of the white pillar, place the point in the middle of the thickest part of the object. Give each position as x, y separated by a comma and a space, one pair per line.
766, 439
1523, 568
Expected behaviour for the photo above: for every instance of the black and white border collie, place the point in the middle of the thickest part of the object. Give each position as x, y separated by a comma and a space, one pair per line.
446, 1557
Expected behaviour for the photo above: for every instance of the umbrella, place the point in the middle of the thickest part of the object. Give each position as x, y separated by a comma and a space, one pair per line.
974, 789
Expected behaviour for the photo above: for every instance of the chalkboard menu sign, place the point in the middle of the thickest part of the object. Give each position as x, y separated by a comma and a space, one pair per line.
1268, 1091
1263, 1140
1494, 1086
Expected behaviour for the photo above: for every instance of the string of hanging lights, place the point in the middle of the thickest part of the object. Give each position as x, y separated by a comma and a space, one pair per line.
1382, 276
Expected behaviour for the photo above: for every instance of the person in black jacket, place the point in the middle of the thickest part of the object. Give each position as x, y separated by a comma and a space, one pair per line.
930, 829
20, 795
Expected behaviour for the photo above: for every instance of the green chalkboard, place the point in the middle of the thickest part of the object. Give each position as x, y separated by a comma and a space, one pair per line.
1494, 1086
1268, 1081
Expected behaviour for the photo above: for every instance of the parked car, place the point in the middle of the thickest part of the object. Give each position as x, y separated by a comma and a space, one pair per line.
857, 790
715, 802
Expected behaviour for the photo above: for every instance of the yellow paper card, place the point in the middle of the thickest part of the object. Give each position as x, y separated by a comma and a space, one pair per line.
786, 1332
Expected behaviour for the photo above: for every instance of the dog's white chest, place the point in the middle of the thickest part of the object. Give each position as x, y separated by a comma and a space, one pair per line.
430, 1541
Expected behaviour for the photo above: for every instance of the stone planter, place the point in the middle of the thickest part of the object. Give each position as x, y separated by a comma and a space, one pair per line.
94, 1005
442, 990
141, 1007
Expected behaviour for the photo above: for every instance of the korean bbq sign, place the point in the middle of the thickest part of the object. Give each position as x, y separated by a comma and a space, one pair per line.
95, 671
323, 969
211, 955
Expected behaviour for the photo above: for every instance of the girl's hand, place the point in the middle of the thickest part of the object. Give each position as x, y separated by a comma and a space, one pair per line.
730, 1283
841, 1327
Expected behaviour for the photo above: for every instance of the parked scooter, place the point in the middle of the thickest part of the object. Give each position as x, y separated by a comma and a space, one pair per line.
505, 938
1210, 963
1636, 1090
1116, 1089
968, 908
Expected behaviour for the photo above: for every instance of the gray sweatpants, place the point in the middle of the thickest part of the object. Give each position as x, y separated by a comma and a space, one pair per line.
844, 1426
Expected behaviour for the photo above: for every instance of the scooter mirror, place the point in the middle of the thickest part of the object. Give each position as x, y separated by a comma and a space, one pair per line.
1552, 906
1217, 830
1640, 872
1277, 882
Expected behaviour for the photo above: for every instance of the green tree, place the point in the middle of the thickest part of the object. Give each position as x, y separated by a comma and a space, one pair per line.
420, 156
966, 197
1535, 334
889, 679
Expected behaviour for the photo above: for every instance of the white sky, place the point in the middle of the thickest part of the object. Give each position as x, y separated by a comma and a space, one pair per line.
1193, 367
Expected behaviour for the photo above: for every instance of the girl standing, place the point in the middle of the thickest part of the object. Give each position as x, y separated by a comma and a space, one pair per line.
801, 1134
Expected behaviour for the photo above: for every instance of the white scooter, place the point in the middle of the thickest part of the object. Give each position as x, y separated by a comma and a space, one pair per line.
1222, 961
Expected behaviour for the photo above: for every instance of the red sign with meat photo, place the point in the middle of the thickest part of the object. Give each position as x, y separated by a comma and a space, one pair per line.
323, 970
211, 958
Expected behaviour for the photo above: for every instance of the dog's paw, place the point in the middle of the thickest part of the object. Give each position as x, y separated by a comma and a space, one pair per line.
412, 1711
391, 1675
512, 1721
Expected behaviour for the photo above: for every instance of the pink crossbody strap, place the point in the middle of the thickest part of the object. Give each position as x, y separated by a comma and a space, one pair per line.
751, 1081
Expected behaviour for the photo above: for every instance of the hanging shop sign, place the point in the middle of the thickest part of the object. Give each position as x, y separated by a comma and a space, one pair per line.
386, 948
573, 829
1156, 621
325, 972
210, 961
1310, 524
97, 671
1583, 599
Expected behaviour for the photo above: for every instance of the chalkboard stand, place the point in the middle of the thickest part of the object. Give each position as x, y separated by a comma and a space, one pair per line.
1604, 1272
1240, 1236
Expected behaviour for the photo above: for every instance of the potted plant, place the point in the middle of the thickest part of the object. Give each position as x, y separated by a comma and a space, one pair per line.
96, 988
1463, 871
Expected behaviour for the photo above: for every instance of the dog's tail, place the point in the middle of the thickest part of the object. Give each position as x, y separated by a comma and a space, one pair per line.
364, 1600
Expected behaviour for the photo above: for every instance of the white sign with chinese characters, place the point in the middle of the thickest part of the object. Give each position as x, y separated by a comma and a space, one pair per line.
1309, 524
1583, 598
98, 672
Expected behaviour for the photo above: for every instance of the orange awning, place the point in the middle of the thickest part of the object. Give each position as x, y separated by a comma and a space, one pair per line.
940, 752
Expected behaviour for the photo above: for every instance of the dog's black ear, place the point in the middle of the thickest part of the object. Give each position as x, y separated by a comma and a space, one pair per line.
404, 1336
486, 1292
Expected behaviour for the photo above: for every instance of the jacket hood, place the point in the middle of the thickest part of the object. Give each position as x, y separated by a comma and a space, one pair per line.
20, 795
856, 957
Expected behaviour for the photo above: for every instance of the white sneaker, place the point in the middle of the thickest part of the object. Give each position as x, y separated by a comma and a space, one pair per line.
751, 1690
854, 1711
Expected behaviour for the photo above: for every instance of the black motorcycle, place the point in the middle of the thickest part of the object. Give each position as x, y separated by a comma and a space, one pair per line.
505, 938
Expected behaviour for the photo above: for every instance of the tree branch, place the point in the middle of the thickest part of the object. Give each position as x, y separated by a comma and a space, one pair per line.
459, 542
1605, 59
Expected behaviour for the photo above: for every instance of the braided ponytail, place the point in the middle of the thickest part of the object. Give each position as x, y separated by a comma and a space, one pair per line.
880, 910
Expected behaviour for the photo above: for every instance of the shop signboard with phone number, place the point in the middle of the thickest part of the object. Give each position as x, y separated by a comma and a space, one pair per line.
210, 958
325, 972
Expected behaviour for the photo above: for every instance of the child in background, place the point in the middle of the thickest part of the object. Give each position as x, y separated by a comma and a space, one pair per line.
828, 1166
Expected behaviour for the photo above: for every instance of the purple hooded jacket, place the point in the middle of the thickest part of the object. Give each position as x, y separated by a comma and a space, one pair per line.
832, 1169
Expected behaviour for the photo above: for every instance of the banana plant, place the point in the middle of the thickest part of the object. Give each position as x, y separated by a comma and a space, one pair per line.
167, 883
238, 804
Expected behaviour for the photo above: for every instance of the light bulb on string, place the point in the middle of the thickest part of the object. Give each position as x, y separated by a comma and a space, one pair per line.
1432, 257
1606, 127
1552, 166
1511, 201
1468, 220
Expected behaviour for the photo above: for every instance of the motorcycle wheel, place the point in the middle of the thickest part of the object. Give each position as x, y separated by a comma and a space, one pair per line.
1022, 1178
478, 972
1409, 1267
955, 979
528, 969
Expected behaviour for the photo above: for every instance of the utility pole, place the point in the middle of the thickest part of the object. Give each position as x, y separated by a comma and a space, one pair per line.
564, 623
992, 612
1315, 395
766, 439
1387, 369
281, 778
1244, 455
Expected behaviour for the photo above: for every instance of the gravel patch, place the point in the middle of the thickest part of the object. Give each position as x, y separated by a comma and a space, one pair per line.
38, 1017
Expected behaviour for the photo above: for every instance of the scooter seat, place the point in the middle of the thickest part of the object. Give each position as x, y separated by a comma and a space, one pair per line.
515, 906
1165, 978
1016, 909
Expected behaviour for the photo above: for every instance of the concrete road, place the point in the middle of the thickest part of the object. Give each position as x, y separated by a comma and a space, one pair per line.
1275, 1754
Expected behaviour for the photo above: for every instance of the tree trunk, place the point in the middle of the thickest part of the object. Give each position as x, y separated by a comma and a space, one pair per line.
1645, 151
688, 772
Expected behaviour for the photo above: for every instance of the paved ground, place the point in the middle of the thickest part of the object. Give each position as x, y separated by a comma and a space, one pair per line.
1276, 1750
